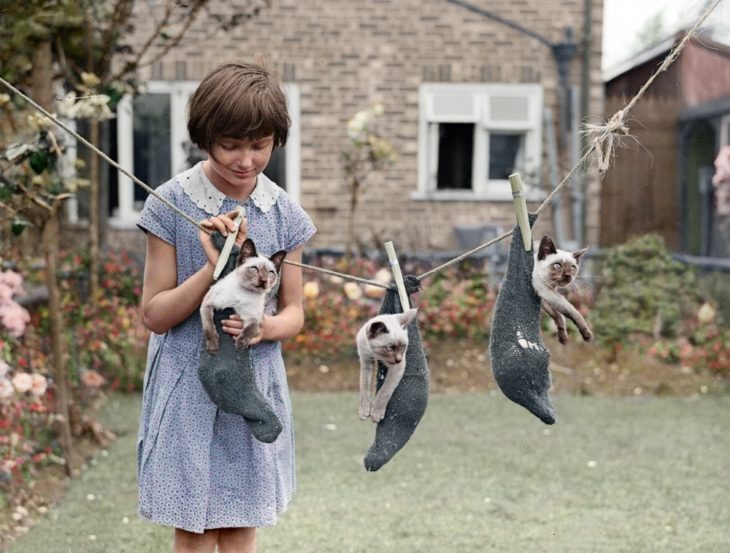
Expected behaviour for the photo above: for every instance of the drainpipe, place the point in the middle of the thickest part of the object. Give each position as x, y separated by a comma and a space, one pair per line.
563, 53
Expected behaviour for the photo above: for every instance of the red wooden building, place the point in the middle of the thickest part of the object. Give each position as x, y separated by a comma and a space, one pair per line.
661, 181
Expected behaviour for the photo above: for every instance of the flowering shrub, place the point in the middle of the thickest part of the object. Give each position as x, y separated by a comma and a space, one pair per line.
456, 302
106, 337
106, 342
705, 347
25, 400
13, 317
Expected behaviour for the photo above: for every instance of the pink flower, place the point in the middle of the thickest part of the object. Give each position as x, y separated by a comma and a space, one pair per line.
6, 388
39, 386
13, 281
92, 379
4, 368
13, 317
22, 382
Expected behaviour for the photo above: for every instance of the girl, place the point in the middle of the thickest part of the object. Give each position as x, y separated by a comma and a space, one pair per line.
200, 470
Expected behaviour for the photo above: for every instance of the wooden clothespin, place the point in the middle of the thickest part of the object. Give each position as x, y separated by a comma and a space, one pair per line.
228, 246
397, 276
518, 195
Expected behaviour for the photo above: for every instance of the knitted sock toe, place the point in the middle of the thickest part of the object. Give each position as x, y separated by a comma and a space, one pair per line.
230, 380
410, 398
520, 359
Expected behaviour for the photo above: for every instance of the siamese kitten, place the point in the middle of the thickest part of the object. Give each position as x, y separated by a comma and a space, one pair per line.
244, 289
383, 338
555, 269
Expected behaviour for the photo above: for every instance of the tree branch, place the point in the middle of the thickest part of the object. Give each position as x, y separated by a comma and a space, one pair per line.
131, 66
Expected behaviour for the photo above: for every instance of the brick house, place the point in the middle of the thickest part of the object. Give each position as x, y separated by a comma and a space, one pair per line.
466, 99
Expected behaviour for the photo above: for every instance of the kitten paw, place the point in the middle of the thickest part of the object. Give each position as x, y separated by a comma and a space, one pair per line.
364, 412
562, 336
377, 414
587, 335
242, 343
212, 348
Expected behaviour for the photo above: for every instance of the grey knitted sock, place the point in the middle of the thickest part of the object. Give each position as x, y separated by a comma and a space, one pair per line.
408, 402
229, 377
520, 360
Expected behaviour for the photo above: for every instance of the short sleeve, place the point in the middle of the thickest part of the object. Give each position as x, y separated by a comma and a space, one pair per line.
299, 226
157, 218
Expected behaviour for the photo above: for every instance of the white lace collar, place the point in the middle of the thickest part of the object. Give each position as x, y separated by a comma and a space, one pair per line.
207, 197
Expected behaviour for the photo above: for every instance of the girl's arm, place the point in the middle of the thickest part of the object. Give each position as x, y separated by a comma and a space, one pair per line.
289, 318
164, 303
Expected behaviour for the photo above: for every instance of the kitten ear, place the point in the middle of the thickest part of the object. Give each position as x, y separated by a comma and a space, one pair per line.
248, 249
277, 259
376, 329
545, 248
406, 318
579, 254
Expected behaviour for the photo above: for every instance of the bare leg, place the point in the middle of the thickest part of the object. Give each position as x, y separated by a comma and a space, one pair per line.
190, 542
395, 373
366, 371
237, 540
559, 322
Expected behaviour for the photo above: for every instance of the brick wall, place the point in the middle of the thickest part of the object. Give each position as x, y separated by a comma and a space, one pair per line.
346, 54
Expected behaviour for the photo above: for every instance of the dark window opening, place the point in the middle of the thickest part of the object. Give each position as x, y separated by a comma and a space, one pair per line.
504, 151
455, 156
152, 156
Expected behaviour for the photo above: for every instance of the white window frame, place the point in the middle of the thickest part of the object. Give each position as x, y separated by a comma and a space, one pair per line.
125, 216
475, 108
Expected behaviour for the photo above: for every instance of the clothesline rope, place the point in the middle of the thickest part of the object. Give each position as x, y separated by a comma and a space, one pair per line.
603, 138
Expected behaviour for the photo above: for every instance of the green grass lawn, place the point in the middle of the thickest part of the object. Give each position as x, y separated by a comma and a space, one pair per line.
480, 474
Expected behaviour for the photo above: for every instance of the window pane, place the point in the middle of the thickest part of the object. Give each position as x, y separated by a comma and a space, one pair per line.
508, 108
152, 159
456, 150
505, 154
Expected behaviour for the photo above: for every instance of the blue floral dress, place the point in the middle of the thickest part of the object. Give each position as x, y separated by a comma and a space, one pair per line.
197, 467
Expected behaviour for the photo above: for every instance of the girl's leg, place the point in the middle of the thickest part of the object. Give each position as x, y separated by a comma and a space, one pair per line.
237, 540
190, 542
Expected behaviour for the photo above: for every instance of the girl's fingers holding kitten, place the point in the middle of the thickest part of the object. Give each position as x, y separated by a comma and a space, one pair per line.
232, 326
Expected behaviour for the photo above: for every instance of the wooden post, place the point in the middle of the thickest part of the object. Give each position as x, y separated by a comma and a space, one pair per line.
515, 181
397, 276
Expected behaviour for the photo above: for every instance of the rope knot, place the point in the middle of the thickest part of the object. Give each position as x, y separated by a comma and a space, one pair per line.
606, 137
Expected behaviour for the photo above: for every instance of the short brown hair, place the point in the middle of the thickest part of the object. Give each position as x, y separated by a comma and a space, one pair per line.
238, 100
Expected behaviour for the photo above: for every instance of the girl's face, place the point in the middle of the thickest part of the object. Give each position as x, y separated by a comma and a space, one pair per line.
234, 164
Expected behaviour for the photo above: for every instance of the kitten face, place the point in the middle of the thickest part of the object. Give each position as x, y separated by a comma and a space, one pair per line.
256, 272
387, 346
556, 268
388, 337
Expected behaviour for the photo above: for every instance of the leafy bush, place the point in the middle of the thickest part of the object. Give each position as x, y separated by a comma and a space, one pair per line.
643, 291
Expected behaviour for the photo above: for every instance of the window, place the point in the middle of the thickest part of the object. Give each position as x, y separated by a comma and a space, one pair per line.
152, 142
472, 137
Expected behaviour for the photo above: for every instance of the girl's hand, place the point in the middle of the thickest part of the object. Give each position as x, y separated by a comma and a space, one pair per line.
223, 224
234, 326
